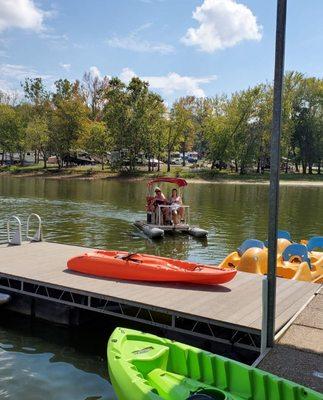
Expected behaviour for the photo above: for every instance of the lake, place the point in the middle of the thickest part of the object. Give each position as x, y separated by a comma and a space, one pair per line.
99, 213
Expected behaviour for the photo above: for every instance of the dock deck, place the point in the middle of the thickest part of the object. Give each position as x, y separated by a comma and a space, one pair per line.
230, 313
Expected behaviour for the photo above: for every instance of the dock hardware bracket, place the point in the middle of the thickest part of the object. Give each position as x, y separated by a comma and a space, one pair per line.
16, 238
38, 236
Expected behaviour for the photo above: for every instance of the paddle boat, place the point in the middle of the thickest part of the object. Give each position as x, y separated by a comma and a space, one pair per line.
146, 367
144, 267
167, 214
298, 261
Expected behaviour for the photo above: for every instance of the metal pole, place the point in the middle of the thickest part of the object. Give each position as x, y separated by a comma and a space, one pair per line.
275, 169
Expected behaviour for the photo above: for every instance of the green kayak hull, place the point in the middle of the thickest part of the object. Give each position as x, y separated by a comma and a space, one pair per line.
146, 367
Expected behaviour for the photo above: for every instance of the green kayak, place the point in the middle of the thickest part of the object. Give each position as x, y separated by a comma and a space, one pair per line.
145, 367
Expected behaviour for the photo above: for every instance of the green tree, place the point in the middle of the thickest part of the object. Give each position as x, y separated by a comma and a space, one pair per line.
132, 113
70, 118
307, 122
24, 114
94, 88
215, 131
8, 130
96, 141
183, 120
42, 109
37, 137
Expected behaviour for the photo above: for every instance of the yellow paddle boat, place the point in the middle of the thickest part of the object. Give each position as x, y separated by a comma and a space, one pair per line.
298, 261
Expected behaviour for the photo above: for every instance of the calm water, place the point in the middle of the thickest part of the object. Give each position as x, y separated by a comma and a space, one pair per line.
100, 214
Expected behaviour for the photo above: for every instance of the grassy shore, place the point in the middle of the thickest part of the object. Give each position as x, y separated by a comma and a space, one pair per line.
201, 175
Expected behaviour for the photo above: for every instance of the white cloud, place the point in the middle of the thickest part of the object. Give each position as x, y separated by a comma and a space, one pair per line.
172, 82
127, 74
16, 71
67, 67
135, 43
22, 14
12, 75
95, 72
223, 23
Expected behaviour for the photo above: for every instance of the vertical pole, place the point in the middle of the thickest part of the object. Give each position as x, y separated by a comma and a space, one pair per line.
274, 170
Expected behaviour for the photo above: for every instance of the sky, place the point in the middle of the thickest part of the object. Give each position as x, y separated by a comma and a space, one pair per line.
181, 47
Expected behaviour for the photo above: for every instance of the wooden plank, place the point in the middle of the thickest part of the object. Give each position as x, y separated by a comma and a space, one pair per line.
236, 303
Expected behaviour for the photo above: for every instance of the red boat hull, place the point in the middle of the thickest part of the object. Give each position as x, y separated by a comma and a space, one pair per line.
144, 267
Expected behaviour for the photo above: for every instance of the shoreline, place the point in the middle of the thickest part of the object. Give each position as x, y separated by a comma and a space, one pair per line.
105, 175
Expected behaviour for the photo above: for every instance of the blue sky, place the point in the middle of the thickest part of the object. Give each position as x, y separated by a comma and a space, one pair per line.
200, 47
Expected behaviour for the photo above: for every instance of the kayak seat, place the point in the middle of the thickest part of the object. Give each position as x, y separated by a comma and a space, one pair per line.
129, 257
173, 386
315, 242
298, 251
248, 244
147, 357
284, 235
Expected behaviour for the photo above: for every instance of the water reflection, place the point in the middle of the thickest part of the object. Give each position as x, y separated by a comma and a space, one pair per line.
100, 214
33, 368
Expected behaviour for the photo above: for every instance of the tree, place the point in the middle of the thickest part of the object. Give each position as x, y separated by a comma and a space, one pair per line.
243, 123
37, 137
292, 88
184, 122
36, 92
307, 122
42, 109
8, 130
96, 141
94, 88
153, 123
132, 114
70, 118
215, 131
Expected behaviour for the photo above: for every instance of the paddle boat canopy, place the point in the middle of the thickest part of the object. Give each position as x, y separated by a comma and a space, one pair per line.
164, 214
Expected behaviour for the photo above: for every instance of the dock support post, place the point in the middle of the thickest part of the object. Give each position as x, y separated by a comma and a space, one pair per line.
274, 171
264, 326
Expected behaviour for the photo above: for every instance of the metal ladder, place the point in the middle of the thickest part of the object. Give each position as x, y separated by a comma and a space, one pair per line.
15, 239
38, 235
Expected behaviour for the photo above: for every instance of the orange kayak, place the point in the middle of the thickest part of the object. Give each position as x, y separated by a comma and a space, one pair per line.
144, 267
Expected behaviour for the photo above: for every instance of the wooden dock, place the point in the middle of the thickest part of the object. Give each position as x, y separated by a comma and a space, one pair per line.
230, 313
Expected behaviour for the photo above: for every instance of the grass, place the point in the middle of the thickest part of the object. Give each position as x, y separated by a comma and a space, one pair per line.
224, 175
176, 171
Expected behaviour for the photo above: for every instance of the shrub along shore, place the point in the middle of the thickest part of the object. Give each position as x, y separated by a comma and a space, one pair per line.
196, 176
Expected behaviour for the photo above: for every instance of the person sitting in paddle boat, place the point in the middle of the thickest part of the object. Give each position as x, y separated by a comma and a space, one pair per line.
159, 200
176, 210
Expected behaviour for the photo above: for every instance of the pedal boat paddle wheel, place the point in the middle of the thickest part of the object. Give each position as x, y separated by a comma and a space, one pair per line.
165, 216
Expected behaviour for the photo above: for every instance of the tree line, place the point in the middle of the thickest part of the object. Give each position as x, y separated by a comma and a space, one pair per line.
104, 115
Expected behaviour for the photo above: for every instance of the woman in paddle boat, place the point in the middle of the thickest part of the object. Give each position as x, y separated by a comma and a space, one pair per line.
158, 200
177, 211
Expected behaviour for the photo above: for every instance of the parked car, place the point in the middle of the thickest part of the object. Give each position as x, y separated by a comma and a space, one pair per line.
153, 162
79, 158
176, 161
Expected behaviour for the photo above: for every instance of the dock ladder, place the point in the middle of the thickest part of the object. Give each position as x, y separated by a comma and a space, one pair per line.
15, 238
